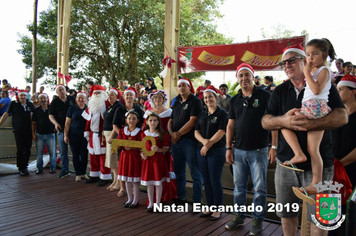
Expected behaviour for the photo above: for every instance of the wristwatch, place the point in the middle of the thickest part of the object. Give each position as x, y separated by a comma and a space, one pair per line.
229, 148
274, 147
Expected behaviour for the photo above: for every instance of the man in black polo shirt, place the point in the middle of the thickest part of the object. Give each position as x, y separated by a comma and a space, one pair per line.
250, 154
21, 110
57, 115
283, 112
43, 133
184, 145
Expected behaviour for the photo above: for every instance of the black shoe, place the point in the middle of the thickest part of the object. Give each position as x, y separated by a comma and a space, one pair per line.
134, 205
149, 209
212, 218
127, 205
52, 171
179, 202
24, 172
92, 180
202, 215
39, 172
103, 182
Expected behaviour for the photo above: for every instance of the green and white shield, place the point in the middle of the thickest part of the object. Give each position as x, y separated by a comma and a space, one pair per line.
328, 208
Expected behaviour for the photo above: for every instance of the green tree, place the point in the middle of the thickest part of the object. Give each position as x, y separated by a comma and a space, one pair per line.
120, 39
280, 31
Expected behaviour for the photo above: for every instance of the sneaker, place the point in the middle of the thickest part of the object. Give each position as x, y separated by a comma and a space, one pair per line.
256, 227
78, 178
85, 177
235, 222
64, 173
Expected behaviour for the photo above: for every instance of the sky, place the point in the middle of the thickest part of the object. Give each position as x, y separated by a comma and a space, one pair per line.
242, 20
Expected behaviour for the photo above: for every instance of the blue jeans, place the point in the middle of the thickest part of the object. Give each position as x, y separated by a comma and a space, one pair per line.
211, 167
254, 162
78, 144
185, 151
50, 141
63, 147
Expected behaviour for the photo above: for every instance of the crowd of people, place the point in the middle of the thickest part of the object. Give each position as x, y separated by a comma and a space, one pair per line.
308, 121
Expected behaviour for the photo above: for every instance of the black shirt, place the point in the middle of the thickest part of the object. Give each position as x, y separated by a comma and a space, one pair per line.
59, 109
119, 116
182, 111
248, 113
268, 88
284, 99
109, 115
209, 124
21, 115
43, 124
150, 90
78, 123
344, 141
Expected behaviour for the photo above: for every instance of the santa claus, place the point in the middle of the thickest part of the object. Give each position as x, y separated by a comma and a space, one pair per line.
93, 132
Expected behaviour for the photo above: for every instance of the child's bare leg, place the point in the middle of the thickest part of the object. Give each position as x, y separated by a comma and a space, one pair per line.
292, 141
150, 192
314, 140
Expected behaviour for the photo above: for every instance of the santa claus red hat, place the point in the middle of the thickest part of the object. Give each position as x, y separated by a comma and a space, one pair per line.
96, 88
294, 48
81, 93
188, 82
21, 91
164, 94
44, 95
214, 90
117, 92
245, 66
60, 86
348, 80
131, 90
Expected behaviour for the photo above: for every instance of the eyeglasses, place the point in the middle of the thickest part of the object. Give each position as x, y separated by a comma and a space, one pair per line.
245, 101
289, 60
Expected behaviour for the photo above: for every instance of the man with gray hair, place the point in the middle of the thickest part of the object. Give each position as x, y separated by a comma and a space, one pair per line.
283, 112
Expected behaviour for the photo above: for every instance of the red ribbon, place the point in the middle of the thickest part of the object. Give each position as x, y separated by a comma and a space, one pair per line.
67, 78
167, 61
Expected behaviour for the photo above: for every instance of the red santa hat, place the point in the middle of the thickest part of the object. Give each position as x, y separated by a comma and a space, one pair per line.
131, 90
245, 66
81, 93
117, 92
21, 91
59, 86
294, 48
214, 90
188, 82
164, 94
44, 95
348, 80
96, 88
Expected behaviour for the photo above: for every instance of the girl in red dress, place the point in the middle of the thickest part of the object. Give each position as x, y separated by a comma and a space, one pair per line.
130, 160
154, 168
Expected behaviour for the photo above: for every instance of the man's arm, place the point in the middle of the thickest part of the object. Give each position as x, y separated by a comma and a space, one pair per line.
335, 119
2, 105
53, 120
188, 126
229, 138
349, 158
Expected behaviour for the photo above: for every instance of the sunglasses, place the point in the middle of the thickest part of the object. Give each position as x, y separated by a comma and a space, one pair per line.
290, 61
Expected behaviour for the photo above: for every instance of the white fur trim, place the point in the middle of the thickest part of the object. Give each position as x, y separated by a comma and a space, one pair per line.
183, 81
209, 90
129, 179
133, 133
148, 133
113, 90
86, 114
129, 91
82, 94
94, 173
91, 150
166, 113
301, 52
153, 182
347, 83
58, 86
245, 68
43, 95
105, 176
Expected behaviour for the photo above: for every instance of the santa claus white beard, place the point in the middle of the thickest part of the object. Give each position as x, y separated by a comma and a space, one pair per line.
96, 102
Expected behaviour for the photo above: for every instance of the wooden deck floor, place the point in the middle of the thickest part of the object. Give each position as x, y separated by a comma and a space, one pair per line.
46, 205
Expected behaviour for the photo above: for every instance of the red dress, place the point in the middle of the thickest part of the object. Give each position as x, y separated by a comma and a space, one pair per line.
155, 168
130, 160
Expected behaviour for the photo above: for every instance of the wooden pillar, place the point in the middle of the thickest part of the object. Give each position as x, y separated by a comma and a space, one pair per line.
34, 47
171, 41
63, 29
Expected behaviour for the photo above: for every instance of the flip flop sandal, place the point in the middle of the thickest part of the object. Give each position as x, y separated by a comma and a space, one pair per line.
303, 196
121, 193
291, 167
